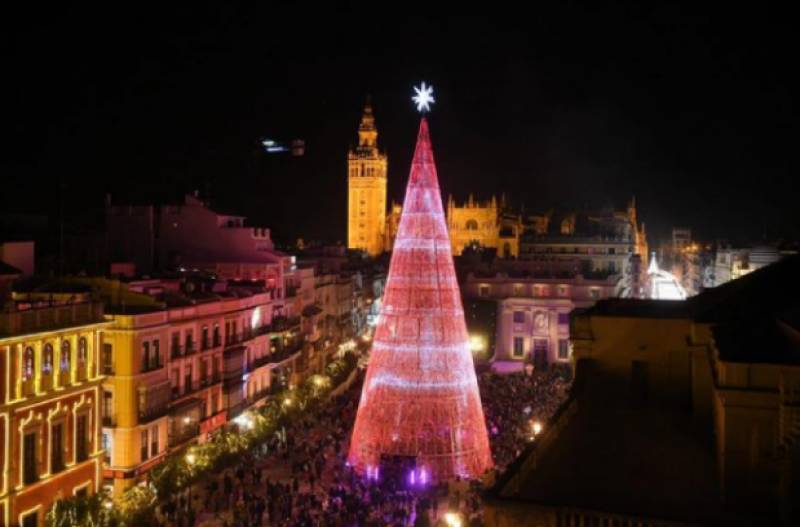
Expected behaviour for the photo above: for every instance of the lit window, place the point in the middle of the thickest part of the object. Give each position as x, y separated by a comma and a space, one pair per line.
563, 349
519, 347
65, 356
47, 359
28, 364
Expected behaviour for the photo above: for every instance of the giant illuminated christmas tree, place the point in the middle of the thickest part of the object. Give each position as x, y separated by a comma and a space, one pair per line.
420, 397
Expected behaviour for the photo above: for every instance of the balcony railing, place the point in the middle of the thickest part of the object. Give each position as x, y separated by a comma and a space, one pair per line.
183, 434
154, 366
51, 317
152, 413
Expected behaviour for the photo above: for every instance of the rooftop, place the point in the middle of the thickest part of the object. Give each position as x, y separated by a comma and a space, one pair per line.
614, 458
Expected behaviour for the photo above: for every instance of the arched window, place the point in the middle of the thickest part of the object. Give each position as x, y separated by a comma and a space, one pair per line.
28, 364
65, 356
47, 359
83, 350
472, 225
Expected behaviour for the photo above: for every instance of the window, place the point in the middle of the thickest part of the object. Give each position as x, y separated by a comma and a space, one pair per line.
563, 319
81, 439
187, 379
189, 340
29, 471
612, 250
66, 358
31, 519
83, 351
517, 289
519, 317
144, 445
595, 293
612, 267
519, 347
206, 343
562, 290
563, 349
47, 359
57, 448
217, 340
105, 442
154, 441
108, 359
176, 344
145, 356
472, 225
28, 364
483, 290
108, 404
155, 356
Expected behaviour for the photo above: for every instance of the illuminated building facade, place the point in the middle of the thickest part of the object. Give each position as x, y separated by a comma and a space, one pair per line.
50, 378
533, 311
181, 362
366, 178
487, 225
603, 242
420, 401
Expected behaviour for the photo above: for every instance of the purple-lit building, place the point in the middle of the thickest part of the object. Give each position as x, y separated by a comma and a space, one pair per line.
533, 311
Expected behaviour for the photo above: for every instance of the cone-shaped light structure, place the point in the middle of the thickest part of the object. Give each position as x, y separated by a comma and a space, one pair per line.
420, 397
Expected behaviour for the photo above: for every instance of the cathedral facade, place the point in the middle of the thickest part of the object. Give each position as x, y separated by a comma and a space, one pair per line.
366, 203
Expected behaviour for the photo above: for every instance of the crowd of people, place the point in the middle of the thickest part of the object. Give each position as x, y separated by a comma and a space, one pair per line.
301, 477
514, 402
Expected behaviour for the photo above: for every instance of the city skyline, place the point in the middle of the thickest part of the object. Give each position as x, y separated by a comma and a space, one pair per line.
661, 106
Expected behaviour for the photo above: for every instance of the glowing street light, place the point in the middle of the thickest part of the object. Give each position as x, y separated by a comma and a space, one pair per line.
190, 459
476, 343
452, 519
536, 426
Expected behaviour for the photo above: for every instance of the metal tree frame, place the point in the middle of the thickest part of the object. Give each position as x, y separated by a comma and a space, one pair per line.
420, 396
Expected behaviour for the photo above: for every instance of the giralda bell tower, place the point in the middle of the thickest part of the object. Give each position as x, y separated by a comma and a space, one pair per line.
366, 202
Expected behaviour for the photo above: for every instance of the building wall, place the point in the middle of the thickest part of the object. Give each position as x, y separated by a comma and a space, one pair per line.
749, 406
58, 388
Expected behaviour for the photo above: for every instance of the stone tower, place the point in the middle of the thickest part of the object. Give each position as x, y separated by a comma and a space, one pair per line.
366, 181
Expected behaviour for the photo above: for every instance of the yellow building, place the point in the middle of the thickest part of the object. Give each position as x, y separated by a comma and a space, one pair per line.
49, 413
683, 413
484, 225
366, 213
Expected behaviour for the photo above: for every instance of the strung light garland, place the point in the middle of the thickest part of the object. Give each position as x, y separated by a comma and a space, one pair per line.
420, 397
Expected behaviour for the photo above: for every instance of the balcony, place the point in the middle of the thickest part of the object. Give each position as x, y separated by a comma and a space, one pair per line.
176, 351
183, 434
189, 348
282, 324
156, 402
153, 367
152, 413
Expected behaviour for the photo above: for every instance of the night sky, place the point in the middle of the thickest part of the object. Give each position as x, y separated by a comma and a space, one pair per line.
691, 111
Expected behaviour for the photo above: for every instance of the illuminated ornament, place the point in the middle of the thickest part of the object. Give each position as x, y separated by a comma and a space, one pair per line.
420, 399
423, 98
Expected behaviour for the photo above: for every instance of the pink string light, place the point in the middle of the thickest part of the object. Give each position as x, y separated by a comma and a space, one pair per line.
420, 397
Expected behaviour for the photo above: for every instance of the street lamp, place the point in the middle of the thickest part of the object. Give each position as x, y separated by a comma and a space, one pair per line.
190, 460
452, 519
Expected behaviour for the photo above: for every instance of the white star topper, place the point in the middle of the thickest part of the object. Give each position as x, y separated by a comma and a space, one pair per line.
423, 98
